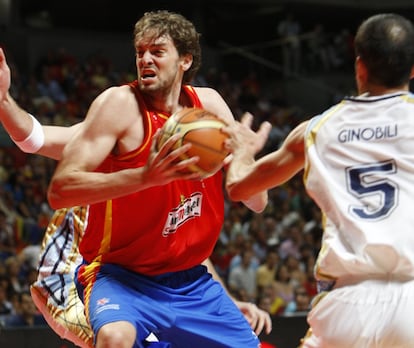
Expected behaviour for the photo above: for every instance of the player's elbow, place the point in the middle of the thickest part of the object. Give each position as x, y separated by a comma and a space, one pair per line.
258, 202
257, 208
235, 193
56, 195
53, 198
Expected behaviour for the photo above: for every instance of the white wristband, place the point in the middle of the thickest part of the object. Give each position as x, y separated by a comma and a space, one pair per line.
34, 140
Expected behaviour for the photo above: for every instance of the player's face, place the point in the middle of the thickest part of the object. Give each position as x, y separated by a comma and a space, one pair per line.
159, 66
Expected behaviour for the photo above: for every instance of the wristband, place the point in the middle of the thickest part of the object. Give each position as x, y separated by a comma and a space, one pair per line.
34, 140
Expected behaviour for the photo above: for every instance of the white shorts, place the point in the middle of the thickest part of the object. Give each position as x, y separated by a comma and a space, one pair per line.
373, 313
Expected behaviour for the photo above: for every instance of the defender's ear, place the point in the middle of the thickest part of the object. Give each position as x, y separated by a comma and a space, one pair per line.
361, 74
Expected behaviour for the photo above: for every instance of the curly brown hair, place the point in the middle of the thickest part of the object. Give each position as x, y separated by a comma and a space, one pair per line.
183, 33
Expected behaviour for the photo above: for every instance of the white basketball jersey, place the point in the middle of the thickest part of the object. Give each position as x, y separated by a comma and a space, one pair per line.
360, 171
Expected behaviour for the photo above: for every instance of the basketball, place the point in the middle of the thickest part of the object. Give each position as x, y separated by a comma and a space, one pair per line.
202, 129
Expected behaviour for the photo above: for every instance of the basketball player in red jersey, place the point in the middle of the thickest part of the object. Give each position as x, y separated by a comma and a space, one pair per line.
161, 67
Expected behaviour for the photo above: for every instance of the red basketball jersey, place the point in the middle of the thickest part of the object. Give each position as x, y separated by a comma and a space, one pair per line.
160, 229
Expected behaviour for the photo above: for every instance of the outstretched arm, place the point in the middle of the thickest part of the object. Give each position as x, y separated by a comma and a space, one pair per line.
15, 120
24, 129
246, 176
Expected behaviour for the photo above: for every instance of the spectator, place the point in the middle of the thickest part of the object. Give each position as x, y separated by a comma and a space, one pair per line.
244, 245
264, 302
282, 287
7, 242
276, 304
242, 278
296, 270
13, 272
301, 302
27, 315
221, 257
50, 88
226, 232
6, 306
265, 273
260, 244
292, 242
289, 30
273, 228
317, 42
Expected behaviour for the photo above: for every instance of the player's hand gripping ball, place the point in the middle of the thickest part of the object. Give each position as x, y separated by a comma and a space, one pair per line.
202, 129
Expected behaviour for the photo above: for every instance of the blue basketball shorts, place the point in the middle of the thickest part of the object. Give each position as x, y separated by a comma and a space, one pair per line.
182, 309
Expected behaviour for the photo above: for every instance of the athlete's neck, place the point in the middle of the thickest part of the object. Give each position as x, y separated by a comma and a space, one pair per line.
167, 104
375, 90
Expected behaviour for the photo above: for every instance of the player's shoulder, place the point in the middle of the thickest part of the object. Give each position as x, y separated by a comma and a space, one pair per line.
112, 101
214, 102
206, 93
116, 94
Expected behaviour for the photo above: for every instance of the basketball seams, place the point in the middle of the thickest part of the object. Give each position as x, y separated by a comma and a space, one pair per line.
202, 129
216, 124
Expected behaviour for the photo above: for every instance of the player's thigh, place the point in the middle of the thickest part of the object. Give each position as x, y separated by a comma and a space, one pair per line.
112, 300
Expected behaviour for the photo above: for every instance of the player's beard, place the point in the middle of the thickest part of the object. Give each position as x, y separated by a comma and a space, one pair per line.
155, 91
159, 87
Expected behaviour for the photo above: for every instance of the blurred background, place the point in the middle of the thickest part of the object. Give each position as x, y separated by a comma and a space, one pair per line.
284, 61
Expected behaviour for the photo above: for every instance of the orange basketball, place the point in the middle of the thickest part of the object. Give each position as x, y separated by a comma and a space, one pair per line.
202, 129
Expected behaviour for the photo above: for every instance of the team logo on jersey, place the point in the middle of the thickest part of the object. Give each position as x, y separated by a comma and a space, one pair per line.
104, 304
189, 208
102, 301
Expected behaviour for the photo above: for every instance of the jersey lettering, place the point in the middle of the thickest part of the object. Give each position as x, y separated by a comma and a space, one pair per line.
367, 134
377, 194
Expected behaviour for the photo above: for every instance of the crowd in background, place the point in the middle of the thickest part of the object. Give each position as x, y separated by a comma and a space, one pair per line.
265, 258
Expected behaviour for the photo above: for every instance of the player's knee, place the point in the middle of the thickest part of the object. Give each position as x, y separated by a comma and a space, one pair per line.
120, 334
